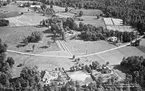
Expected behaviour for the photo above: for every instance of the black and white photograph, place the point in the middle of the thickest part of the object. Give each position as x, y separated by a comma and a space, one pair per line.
72, 45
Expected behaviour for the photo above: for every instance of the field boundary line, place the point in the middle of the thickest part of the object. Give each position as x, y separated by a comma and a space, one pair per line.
64, 44
30, 54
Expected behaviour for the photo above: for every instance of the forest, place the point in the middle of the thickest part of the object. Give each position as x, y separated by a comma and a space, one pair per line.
136, 67
131, 11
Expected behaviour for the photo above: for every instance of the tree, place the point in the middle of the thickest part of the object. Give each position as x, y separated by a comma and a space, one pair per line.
66, 9
78, 87
51, 4
43, 7
30, 75
11, 61
88, 69
80, 13
95, 65
5, 71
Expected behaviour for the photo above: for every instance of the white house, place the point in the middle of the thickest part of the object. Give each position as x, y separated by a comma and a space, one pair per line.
112, 39
48, 77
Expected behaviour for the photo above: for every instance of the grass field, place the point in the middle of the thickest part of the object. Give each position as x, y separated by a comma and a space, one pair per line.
11, 11
79, 47
43, 63
13, 36
93, 21
142, 45
26, 20
88, 12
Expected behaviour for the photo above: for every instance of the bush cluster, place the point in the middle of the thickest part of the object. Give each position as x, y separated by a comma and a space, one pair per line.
4, 22
92, 33
34, 37
135, 65
6, 64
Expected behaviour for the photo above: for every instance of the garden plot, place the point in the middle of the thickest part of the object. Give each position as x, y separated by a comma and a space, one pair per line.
117, 21
108, 21
113, 21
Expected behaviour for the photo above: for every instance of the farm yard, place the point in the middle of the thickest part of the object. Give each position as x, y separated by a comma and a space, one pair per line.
55, 45
76, 47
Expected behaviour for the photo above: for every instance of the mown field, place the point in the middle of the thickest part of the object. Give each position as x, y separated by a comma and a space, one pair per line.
79, 47
14, 36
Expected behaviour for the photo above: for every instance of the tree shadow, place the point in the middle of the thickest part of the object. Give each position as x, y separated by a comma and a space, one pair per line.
39, 26
29, 51
47, 31
120, 68
44, 47
62, 12
21, 45
50, 36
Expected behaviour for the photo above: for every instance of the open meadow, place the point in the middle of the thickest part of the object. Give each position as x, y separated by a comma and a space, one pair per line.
14, 36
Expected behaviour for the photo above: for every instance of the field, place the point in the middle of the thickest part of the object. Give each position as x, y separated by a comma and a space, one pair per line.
11, 11
14, 36
92, 20
43, 63
114, 57
26, 20
88, 12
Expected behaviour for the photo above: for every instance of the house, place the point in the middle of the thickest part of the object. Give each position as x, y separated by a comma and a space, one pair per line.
112, 39
48, 77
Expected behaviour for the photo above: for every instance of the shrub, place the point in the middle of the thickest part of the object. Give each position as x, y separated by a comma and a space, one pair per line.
70, 22
80, 13
91, 33
4, 22
34, 37
66, 9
